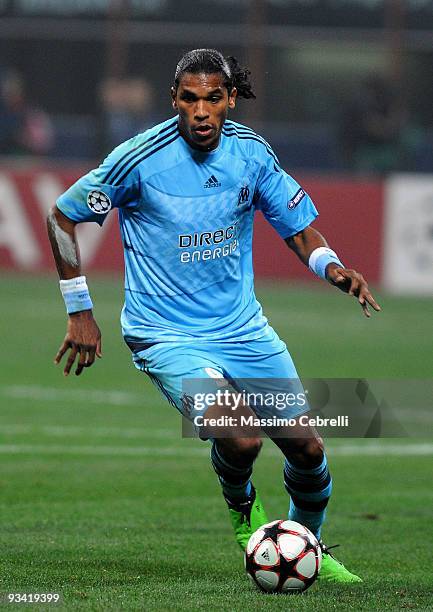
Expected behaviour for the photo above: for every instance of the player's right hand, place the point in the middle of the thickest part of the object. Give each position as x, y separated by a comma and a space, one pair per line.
83, 340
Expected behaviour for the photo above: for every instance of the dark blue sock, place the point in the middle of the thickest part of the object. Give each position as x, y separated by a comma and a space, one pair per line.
234, 480
309, 492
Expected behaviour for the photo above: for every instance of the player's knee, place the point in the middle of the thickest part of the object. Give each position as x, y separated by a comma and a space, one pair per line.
308, 453
249, 446
244, 450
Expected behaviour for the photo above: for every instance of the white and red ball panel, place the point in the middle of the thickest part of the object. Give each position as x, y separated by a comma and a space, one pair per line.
255, 539
293, 585
294, 526
291, 545
306, 565
266, 553
267, 580
283, 557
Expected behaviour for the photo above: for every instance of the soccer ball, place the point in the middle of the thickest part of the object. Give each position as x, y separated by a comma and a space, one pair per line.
283, 557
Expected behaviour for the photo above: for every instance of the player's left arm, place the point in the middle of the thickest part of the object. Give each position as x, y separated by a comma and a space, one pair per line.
306, 242
290, 210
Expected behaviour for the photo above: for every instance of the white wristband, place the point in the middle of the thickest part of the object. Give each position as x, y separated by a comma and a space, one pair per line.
76, 294
319, 260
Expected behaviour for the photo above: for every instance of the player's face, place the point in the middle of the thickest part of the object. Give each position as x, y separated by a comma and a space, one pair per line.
202, 101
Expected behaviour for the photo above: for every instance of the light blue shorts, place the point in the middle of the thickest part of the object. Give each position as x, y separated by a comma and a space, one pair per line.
258, 367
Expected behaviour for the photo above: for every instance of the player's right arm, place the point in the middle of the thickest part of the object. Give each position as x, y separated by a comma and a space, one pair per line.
83, 337
114, 184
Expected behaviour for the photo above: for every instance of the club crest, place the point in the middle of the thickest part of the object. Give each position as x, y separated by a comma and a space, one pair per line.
244, 195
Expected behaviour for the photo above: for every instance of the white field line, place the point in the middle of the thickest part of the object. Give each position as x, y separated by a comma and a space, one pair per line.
130, 433
346, 450
64, 431
366, 447
380, 450
131, 398
84, 396
109, 451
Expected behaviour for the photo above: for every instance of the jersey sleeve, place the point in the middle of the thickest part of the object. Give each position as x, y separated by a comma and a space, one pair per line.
93, 196
287, 207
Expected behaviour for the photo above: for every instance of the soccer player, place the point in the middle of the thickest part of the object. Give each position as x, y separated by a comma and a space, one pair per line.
186, 192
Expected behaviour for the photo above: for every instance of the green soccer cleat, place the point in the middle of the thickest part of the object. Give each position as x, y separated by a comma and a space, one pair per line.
333, 571
247, 517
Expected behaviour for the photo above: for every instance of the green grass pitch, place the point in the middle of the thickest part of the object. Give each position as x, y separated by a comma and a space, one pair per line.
104, 502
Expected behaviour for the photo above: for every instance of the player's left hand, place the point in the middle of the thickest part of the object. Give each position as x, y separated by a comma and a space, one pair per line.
353, 283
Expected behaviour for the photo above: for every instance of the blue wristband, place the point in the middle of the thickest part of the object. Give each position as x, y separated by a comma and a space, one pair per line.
76, 294
319, 260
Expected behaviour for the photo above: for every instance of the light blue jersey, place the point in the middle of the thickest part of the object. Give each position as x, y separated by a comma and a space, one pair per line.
186, 220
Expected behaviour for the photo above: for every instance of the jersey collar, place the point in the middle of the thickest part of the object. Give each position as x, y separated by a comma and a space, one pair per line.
201, 156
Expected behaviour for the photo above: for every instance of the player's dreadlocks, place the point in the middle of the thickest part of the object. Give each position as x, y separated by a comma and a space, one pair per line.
210, 61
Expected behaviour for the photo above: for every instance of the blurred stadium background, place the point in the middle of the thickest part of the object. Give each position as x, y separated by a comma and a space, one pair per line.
344, 93
344, 90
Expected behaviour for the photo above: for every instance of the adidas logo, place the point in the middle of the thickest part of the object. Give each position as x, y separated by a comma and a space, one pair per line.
212, 182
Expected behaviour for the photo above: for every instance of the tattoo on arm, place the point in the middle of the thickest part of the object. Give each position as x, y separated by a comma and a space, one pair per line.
64, 245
